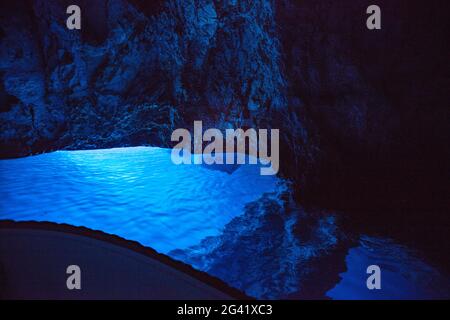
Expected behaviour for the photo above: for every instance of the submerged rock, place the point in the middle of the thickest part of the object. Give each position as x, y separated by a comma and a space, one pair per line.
274, 250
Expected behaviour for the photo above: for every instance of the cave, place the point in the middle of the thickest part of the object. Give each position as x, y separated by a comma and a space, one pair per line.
363, 122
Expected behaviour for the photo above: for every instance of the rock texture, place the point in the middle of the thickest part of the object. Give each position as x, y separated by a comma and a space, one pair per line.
275, 250
363, 115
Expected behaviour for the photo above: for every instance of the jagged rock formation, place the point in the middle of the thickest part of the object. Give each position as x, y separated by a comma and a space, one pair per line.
363, 114
274, 250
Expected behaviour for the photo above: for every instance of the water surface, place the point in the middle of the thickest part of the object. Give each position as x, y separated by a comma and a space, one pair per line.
139, 194
136, 193
403, 274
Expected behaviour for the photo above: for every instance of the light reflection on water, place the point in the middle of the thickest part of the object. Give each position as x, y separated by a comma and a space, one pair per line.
136, 193
403, 275
139, 194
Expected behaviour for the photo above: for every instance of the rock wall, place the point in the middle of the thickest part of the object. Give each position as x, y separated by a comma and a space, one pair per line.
363, 114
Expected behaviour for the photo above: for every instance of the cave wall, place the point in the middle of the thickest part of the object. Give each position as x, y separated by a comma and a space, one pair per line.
363, 115
375, 102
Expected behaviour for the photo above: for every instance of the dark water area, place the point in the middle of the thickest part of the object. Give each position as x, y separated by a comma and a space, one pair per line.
418, 229
405, 276
229, 221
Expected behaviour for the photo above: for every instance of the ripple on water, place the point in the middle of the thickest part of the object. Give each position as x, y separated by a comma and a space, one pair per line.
403, 275
136, 193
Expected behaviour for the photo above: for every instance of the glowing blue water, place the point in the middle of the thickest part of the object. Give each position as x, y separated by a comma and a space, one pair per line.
136, 193
139, 194
403, 275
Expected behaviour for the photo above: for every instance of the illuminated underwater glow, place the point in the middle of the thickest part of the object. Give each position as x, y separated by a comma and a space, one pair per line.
136, 193
403, 275
139, 194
